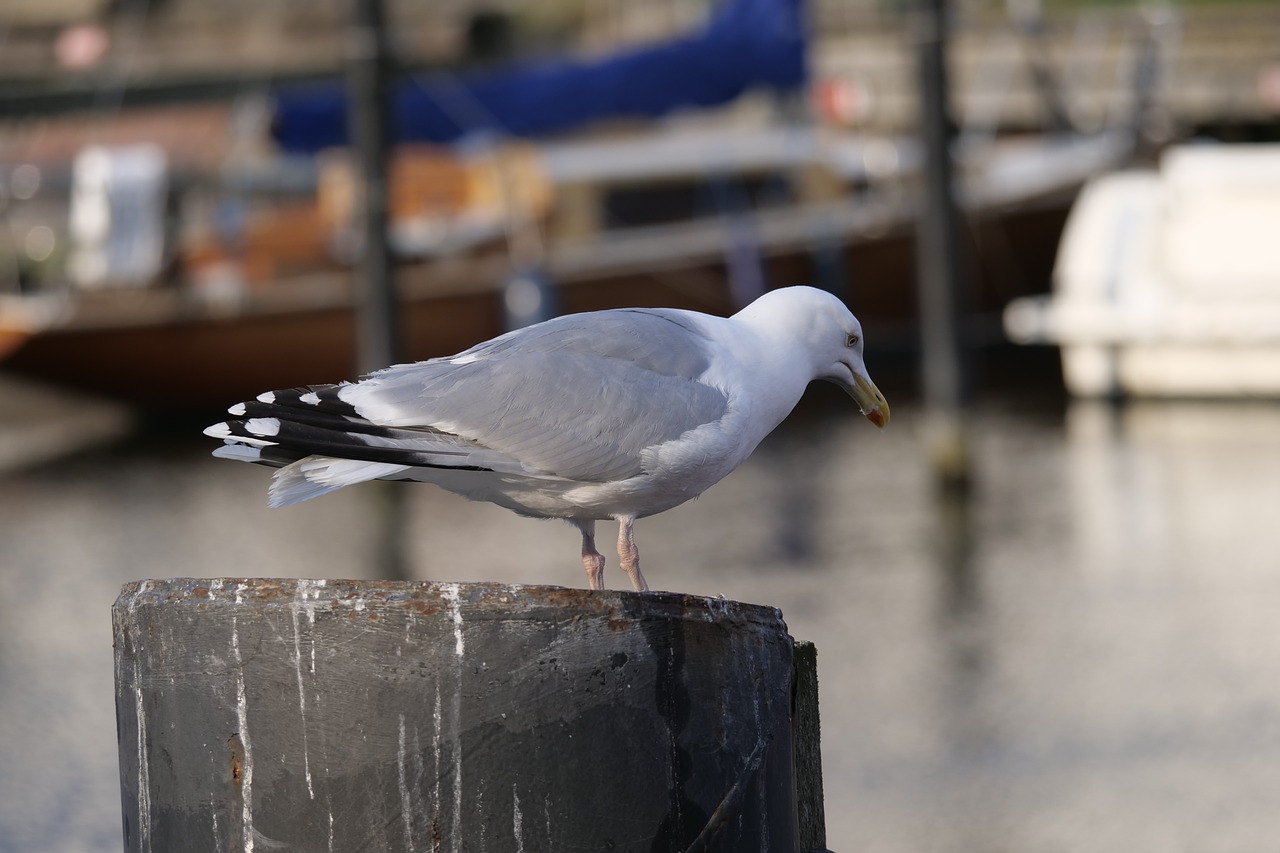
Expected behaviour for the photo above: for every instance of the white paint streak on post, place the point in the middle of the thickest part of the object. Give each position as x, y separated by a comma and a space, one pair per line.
517, 819
307, 596
437, 718
213, 812
309, 591
419, 770
144, 770
451, 594
242, 719
144, 773
302, 702
406, 802
457, 762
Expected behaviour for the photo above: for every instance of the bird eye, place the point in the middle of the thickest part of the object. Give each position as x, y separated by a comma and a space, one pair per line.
851, 341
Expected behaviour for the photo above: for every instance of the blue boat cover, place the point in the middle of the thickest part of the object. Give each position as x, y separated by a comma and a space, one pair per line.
746, 43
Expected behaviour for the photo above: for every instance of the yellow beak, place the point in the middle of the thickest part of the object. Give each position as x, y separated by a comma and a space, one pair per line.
870, 401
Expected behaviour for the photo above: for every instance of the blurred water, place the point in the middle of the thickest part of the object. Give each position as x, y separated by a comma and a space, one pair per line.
1084, 658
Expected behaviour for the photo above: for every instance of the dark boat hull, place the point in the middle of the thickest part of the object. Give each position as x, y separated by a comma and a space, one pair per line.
207, 359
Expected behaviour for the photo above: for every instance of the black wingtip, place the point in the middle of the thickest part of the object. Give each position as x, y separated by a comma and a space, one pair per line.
322, 398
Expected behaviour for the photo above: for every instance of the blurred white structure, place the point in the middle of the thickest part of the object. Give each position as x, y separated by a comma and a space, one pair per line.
1168, 283
118, 215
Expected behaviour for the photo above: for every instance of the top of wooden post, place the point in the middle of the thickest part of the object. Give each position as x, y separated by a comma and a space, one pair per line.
426, 597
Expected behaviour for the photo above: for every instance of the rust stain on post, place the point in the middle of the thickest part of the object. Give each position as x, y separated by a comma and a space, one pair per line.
236, 767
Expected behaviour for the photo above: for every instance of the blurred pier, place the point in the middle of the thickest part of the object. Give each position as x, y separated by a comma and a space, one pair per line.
39, 424
1219, 64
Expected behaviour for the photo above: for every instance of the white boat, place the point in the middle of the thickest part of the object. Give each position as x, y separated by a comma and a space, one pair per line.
1167, 282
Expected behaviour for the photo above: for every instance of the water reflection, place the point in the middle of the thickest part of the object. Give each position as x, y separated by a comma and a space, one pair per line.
796, 462
1175, 484
1081, 657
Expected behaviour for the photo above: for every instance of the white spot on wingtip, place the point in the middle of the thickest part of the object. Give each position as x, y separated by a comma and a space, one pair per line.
311, 398
238, 410
267, 397
220, 430
263, 426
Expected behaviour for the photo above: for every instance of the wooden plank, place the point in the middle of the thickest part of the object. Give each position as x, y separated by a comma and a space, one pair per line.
810, 801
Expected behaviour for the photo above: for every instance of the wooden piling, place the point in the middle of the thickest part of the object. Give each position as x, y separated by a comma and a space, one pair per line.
940, 264
367, 715
810, 802
378, 327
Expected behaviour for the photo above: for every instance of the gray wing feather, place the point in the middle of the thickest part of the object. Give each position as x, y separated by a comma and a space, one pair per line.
579, 397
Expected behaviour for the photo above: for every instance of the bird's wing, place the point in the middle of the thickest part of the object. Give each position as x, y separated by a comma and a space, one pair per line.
580, 397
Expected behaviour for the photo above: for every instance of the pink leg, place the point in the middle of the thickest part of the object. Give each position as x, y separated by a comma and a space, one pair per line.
592, 560
629, 554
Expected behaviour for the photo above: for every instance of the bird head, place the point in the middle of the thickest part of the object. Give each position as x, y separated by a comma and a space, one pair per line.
847, 370
827, 339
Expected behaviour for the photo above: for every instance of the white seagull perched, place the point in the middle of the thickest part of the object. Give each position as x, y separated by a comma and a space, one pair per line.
604, 415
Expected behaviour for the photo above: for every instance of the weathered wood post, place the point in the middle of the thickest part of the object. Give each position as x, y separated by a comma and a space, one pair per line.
373, 715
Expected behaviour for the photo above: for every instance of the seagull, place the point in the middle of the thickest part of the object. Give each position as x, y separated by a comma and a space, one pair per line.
617, 414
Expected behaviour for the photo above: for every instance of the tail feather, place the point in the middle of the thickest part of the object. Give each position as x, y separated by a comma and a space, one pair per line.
321, 443
432, 450
275, 457
314, 476
317, 417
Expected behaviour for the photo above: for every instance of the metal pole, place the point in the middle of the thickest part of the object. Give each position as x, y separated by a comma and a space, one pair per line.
378, 336
377, 327
940, 265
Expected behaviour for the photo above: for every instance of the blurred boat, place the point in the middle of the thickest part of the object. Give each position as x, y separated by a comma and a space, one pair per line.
276, 308
1167, 282
258, 290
